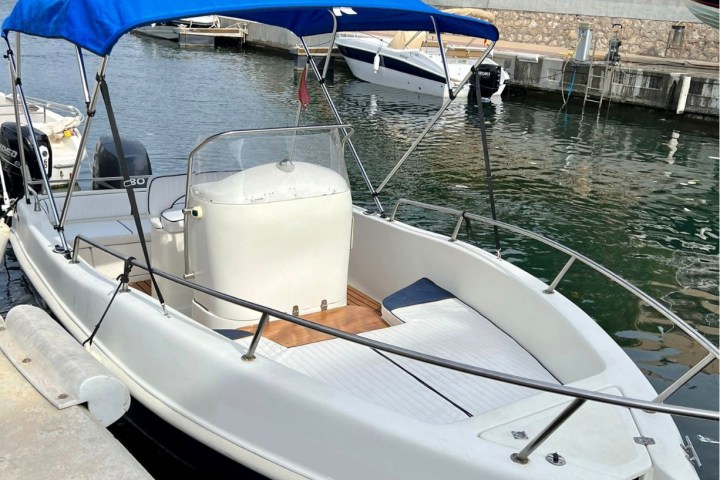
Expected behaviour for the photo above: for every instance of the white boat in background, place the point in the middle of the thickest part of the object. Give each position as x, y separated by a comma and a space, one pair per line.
396, 64
705, 10
205, 21
410, 61
305, 337
203, 31
59, 123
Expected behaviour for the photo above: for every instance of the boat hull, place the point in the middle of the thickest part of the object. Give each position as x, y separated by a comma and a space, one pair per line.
409, 70
163, 32
705, 10
196, 379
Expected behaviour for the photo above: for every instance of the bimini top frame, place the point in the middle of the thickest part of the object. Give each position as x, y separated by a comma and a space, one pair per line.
98, 29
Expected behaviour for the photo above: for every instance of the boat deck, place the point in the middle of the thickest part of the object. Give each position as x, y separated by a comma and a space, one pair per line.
441, 325
362, 314
444, 328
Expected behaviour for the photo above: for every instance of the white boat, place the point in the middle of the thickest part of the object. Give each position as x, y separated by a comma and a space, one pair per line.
204, 21
159, 30
58, 122
203, 31
705, 10
402, 62
255, 259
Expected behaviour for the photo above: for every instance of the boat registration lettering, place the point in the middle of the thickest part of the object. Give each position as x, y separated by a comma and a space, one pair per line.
135, 182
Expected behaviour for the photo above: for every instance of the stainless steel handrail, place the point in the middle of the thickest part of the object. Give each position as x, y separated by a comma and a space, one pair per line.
660, 308
411, 354
53, 106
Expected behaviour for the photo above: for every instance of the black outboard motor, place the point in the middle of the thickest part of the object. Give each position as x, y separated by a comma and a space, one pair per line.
10, 157
107, 164
489, 80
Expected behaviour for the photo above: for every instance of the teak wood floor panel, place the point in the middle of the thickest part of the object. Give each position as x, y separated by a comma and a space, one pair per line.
143, 285
350, 319
362, 314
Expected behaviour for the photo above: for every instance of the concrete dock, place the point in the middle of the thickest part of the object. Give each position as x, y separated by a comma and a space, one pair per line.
637, 80
40, 441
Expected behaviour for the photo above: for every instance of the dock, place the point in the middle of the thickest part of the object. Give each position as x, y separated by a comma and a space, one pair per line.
211, 36
231, 31
40, 440
656, 82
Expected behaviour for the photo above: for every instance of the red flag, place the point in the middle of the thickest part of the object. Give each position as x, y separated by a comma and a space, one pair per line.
303, 95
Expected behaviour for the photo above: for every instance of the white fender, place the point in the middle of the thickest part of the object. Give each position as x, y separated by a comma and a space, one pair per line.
59, 367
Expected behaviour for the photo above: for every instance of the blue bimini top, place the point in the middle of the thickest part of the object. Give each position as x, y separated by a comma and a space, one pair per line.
97, 25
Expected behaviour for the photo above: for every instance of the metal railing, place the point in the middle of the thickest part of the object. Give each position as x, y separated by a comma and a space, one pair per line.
659, 307
72, 115
267, 312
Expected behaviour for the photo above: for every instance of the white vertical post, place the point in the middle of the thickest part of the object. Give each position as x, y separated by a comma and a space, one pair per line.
684, 90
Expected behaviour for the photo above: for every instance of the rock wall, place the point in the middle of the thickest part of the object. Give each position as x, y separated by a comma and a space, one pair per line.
639, 37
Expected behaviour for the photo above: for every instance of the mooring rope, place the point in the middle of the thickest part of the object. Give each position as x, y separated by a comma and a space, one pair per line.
124, 280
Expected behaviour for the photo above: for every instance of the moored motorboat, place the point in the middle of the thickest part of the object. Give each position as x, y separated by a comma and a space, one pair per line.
705, 10
402, 63
59, 123
205, 21
433, 370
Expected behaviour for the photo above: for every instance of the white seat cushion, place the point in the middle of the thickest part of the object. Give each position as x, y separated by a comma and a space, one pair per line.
442, 326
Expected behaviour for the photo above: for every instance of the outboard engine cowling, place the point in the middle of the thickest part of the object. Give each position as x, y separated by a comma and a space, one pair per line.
107, 164
489, 80
10, 156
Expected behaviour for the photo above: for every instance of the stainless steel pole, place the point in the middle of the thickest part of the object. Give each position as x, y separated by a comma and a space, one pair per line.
433, 121
83, 139
355, 155
83, 76
441, 47
522, 456
21, 151
17, 88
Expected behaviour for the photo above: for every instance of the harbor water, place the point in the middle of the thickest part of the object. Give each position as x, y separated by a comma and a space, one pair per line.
633, 189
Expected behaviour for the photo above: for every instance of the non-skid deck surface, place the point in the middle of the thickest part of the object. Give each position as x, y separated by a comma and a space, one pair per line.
362, 314
448, 329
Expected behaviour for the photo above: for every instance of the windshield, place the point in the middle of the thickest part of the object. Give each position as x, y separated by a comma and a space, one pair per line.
236, 151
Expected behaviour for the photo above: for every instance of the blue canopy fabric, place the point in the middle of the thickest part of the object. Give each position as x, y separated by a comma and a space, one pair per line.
96, 25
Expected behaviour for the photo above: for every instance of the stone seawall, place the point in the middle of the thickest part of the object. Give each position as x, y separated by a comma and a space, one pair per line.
639, 37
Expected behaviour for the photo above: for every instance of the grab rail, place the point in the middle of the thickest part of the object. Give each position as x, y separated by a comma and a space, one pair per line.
403, 352
660, 308
50, 105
